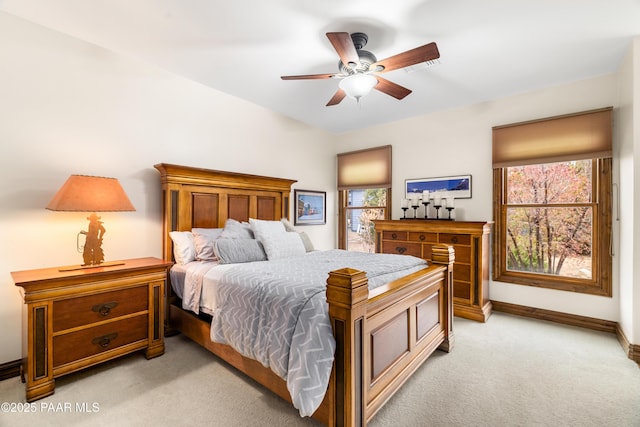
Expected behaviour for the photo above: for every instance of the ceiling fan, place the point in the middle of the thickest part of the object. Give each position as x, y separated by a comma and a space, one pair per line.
360, 70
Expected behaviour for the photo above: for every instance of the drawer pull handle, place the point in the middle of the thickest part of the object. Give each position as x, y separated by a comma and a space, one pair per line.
104, 340
394, 236
401, 249
422, 237
105, 308
454, 240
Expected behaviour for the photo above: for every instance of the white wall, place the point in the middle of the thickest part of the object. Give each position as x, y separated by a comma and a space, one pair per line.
459, 142
629, 203
70, 107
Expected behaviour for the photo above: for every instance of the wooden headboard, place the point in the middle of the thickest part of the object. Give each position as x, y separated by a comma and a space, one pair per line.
204, 198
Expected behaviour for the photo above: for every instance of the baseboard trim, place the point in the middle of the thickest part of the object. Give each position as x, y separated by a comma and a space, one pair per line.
10, 369
632, 350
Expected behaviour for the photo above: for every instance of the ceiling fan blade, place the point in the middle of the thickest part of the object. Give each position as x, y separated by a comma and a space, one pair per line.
308, 77
425, 53
343, 44
337, 98
391, 88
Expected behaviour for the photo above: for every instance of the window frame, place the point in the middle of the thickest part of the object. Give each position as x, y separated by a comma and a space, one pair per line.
600, 282
343, 202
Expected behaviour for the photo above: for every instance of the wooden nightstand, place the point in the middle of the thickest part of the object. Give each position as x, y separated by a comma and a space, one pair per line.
75, 319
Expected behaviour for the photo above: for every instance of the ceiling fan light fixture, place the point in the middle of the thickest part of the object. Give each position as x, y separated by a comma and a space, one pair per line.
358, 85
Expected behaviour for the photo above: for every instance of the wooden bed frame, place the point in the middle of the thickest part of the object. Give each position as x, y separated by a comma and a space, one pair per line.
382, 336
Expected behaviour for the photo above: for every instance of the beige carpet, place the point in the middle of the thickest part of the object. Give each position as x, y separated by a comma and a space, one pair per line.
510, 371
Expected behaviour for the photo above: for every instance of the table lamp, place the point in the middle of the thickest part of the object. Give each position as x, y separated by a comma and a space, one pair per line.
81, 193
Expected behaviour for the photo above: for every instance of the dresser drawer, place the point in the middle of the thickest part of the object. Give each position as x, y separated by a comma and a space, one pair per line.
394, 235
402, 248
423, 237
462, 272
455, 239
463, 254
91, 341
74, 312
462, 290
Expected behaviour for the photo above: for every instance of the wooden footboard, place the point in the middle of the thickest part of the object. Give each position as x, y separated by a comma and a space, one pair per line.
383, 336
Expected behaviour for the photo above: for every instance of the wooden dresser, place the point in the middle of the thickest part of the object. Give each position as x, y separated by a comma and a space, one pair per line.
75, 319
471, 242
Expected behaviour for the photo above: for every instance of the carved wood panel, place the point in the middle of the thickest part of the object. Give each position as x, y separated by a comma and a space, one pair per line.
205, 210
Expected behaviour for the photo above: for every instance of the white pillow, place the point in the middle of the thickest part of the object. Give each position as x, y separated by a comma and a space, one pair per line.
204, 239
184, 248
306, 240
277, 242
262, 228
287, 224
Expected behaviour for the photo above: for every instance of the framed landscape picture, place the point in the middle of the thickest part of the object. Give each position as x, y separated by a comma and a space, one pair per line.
458, 187
310, 207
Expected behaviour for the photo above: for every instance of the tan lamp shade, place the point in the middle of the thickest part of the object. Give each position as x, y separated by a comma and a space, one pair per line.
81, 193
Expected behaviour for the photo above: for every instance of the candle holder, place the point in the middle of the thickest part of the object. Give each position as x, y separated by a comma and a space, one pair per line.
415, 211
426, 205
450, 209
404, 212
437, 207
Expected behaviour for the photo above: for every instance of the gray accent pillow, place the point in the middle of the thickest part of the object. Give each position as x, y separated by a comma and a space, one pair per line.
234, 251
236, 230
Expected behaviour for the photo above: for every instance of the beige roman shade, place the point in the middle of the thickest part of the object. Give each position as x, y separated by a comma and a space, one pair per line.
585, 135
370, 168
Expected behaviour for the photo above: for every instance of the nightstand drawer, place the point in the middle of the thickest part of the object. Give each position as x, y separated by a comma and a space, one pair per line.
88, 342
74, 312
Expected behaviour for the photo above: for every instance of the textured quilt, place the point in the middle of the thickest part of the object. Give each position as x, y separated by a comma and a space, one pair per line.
276, 313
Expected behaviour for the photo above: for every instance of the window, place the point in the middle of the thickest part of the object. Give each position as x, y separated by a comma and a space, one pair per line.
364, 191
553, 213
362, 207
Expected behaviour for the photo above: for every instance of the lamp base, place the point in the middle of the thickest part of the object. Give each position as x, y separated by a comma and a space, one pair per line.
84, 267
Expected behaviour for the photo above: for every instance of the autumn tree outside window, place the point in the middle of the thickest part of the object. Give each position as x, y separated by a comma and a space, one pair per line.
552, 202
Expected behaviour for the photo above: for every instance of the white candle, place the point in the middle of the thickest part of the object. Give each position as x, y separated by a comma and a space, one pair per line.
415, 199
450, 202
425, 196
404, 203
437, 200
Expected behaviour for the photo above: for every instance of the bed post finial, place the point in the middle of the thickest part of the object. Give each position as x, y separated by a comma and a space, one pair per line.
445, 254
347, 295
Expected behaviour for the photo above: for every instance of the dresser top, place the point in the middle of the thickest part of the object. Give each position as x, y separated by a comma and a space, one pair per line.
434, 225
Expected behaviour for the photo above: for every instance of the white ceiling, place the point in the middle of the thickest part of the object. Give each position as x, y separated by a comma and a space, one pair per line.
489, 49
